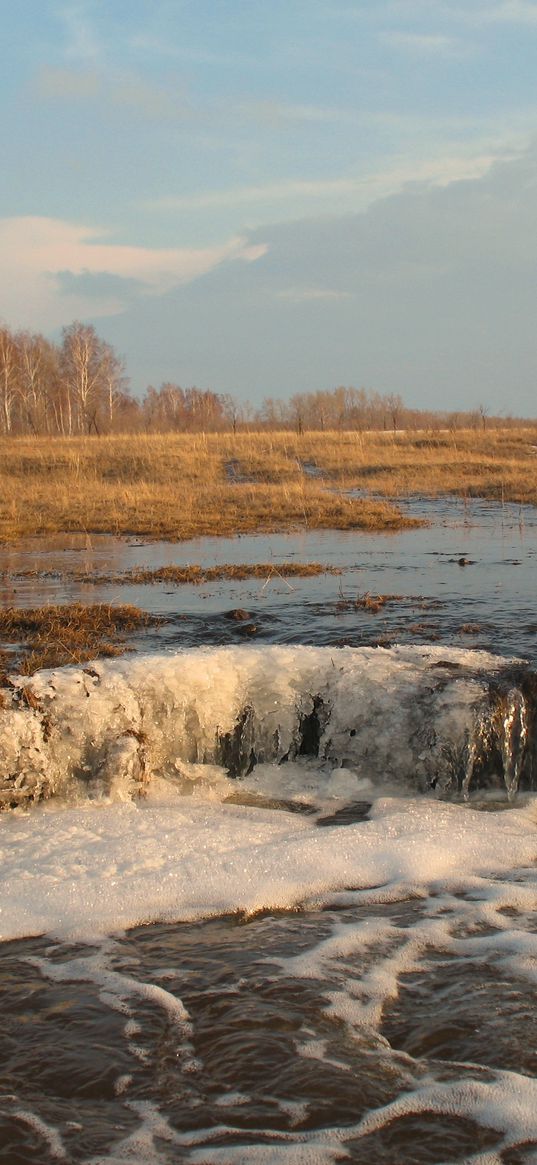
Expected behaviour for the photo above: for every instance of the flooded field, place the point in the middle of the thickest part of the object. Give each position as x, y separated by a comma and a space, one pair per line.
289, 951
467, 578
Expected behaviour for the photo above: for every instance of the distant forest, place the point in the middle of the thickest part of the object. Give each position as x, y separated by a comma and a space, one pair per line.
79, 386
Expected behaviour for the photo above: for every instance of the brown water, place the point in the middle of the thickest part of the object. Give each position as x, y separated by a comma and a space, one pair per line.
263, 1064
277, 1060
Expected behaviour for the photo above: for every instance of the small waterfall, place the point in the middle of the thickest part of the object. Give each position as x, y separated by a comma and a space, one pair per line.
499, 744
514, 738
421, 718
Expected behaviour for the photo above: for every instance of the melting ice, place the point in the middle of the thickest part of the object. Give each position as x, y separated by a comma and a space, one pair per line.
166, 788
425, 718
145, 768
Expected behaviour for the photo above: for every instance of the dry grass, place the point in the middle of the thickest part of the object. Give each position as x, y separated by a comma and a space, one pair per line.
191, 575
53, 636
373, 604
179, 486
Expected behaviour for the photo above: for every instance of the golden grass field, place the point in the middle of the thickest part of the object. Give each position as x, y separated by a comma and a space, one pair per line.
181, 486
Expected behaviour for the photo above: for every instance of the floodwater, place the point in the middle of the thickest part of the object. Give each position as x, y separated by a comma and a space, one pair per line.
466, 579
385, 1022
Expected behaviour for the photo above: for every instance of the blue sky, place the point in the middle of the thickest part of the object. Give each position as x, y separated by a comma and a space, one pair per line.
266, 197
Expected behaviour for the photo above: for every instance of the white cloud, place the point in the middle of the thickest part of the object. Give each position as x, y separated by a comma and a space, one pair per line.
456, 15
81, 40
142, 97
269, 192
68, 84
424, 44
440, 303
122, 90
364, 189
173, 48
473, 12
510, 11
36, 254
274, 113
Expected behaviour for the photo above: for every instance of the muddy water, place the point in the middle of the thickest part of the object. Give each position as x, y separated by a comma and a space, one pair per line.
265, 1070
296, 1026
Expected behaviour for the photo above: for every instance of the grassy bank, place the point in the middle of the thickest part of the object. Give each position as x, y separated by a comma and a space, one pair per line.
52, 636
181, 486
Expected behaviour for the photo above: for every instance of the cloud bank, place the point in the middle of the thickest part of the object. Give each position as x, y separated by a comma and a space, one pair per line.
54, 271
429, 293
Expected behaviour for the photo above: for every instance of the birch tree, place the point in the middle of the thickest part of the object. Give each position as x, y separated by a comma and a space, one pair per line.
92, 375
9, 379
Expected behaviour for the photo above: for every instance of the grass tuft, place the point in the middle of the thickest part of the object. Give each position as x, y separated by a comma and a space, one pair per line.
52, 636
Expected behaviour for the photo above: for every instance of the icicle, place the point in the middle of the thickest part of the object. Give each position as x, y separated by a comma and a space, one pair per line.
471, 757
423, 718
513, 739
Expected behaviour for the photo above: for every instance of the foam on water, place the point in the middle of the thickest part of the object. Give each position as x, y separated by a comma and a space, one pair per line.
282, 1149
470, 874
82, 872
507, 1103
417, 884
49, 1136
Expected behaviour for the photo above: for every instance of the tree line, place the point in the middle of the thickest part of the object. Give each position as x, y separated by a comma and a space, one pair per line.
79, 386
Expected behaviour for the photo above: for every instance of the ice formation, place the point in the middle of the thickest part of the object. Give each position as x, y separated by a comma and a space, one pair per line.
433, 718
414, 885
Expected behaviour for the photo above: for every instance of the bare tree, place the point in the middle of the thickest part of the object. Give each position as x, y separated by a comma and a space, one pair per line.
395, 406
38, 382
9, 378
92, 374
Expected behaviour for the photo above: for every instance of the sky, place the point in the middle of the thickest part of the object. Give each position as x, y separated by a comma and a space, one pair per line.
266, 197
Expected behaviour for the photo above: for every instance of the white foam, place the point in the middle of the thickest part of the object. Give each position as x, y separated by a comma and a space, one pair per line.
280, 1147
46, 1132
95, 867
306, 782
139, 1148
123, 1083
232, 1099
115, 987
314, 1152
507, 1103
86, 872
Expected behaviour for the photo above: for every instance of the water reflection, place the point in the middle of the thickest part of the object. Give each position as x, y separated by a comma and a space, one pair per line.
467, 579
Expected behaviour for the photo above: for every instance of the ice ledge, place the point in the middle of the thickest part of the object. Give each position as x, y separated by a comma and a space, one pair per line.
423, 718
